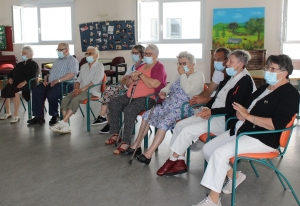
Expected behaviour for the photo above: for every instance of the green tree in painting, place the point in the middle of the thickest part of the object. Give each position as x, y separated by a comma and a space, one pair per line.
217, 33
233, 26
255, 25
223, 32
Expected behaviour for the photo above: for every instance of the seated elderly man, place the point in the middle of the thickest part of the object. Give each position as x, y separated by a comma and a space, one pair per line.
64, 68
91, 73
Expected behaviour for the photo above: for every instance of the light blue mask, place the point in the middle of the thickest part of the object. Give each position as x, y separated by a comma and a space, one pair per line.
135, 57
60, 54
89, 59
148, 60
186, 69
231, 72
24, 58
271, 78
219, 66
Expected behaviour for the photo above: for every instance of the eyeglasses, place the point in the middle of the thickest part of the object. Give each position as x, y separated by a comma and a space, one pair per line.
88, 54
183, 63
148, 54
271, 69
135, 53
60, 49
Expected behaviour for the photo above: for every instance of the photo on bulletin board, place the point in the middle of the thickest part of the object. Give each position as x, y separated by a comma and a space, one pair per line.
107, 35
238, 28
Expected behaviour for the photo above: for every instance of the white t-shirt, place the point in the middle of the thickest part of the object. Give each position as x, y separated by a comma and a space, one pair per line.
217, 77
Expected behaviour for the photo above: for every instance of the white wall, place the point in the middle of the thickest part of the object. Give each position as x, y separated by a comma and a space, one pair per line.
90, 10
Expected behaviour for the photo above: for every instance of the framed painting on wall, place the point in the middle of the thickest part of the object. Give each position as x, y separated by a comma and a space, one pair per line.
238, 28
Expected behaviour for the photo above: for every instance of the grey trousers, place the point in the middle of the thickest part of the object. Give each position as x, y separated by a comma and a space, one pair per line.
131, 111
73, 103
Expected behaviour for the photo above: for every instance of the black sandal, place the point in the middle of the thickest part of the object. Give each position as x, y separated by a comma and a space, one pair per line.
141, 158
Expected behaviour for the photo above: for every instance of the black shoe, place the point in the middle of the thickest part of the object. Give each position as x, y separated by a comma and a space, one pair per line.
130, 151
141, 158
105, 129
36, 120
54, 120
99, 120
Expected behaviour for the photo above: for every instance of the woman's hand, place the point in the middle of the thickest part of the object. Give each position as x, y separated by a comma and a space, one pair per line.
10, 80
180, 70
205, 113
135, 75
162, 95
241, 112
76, 92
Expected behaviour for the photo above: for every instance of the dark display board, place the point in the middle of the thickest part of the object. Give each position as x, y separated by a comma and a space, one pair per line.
6, 38
107, 35
2, 38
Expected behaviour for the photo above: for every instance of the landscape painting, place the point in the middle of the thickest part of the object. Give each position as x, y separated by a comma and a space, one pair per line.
239, 28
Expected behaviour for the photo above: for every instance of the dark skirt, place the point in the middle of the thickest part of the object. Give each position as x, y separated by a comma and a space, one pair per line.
10, 90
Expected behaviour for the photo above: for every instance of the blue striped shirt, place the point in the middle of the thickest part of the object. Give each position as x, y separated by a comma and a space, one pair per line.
62, 67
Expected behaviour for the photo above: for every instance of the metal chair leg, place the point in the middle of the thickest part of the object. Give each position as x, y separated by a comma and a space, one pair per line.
22, 103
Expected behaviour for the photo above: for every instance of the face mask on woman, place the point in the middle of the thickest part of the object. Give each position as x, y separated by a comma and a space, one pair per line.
219, 66
148, 60
271, 78
186, 69
135, 57
60, 54
230, 71
89, 59
24, 57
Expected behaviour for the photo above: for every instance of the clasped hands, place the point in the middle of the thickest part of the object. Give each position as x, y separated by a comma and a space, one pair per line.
77, 91
205, 113
135, 75
241, 112
20, 85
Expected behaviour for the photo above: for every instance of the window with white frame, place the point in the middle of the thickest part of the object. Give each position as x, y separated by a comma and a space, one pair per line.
291, 32
175, 31
43, 27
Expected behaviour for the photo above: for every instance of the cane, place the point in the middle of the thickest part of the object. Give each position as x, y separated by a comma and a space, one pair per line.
43, 113
132, 93
6, 97
141, 137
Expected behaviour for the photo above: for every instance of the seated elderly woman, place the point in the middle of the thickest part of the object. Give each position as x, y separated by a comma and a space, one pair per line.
236, 87
18, 80
113, 91
147, 79
271, 107
91, 73
187, 83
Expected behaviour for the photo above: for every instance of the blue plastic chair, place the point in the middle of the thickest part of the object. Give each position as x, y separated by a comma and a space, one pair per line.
265, 158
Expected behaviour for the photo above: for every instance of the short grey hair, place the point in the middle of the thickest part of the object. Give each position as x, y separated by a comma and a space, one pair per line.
95, 50
28, 50
65, 45
189, 56
242, 55
154, 48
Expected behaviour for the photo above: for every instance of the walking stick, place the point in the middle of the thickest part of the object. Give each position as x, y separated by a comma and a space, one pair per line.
132, 93
6, 97
141, 137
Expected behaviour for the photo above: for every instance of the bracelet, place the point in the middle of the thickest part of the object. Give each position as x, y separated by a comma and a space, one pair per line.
58, 80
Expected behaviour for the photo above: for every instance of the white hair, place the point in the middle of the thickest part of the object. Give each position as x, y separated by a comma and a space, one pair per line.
154, 48
95, 50
189, 56
28, 50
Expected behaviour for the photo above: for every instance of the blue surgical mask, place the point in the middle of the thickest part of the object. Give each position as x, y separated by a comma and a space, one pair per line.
231, 72
148, 60
219, 66
60, 54
186, 69
24, 57
135, 57
271, 78
89, 59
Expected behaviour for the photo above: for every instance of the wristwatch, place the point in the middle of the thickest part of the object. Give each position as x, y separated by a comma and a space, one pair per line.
139, 76
58, 80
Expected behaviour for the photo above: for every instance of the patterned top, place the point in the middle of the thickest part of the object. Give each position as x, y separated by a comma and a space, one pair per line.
62, 67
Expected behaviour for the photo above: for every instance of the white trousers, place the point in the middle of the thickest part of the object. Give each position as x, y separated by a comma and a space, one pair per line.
190, 129
218, 152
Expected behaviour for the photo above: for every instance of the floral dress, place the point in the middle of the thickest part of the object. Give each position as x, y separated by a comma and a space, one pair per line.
165, 115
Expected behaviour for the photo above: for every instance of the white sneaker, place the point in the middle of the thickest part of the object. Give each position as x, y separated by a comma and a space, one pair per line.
15, 119
5, 116
227, 189
61, 127
208, 202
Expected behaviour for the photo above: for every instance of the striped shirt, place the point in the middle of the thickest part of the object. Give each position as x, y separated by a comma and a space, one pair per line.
62, 67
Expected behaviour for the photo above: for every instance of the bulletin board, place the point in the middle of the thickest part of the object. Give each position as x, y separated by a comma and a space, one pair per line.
107, 35
2, 38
